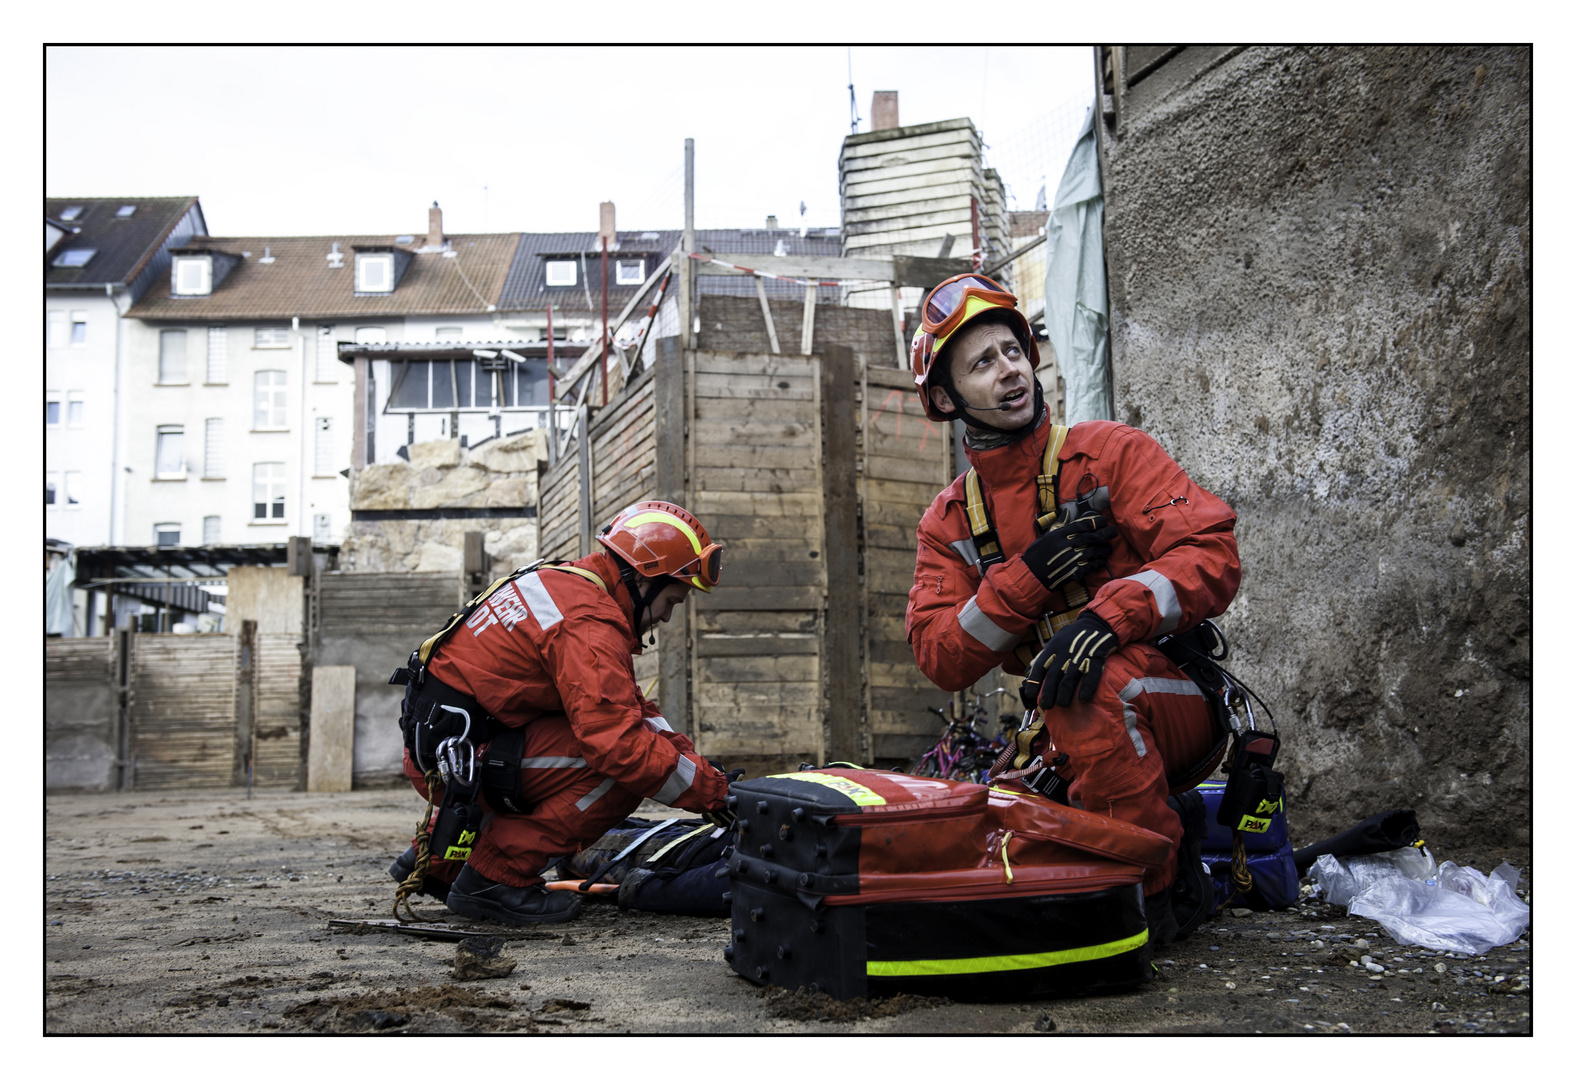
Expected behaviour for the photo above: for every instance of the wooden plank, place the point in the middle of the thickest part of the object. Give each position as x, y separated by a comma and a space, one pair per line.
935, 232
918, 177
957, 218
759, 504
807, 338
857, 203
904, 492
766, 314
757, 622
754, 574
768, 598
892, 580
731, 432
774, 410
819, 267
758, 645
786, 481
908, 468
754, 457
790, 531
755, 695
839, 491
748, 385
907, 145
787, 365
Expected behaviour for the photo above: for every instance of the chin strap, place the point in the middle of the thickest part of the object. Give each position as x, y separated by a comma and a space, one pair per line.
631, 580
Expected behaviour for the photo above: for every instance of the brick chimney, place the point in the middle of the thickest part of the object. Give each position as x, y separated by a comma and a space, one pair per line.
883, 110
434, 226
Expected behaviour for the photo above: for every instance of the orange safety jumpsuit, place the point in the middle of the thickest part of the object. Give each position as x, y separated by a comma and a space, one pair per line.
1173, 564
551, 651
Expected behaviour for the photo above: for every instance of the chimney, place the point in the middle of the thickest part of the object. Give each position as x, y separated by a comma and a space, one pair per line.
434, 226
607, 228
883, 110
771, 221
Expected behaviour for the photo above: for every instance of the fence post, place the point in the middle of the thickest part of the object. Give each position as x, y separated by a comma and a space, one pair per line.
668, 399
245, 685
840, 554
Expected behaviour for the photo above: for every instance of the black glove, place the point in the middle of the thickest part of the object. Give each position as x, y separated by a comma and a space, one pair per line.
732, 774
1070, 551
1073, 659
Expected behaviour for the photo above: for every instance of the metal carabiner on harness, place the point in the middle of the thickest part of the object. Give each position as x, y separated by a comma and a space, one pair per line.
456, 756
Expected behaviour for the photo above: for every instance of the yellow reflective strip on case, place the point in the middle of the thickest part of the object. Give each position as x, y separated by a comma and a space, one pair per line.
979, 965
861, 795
665, 848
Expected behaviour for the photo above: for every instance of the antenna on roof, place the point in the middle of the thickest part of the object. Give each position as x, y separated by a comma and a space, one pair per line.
853, 104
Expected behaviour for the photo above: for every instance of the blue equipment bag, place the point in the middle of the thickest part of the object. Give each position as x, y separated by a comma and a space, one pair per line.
1270, 861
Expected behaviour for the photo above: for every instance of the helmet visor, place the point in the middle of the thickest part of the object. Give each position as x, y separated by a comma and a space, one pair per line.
705, 572
945, 306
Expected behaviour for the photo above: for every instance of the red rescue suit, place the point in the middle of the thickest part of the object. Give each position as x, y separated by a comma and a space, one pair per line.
1173, 564
551, 651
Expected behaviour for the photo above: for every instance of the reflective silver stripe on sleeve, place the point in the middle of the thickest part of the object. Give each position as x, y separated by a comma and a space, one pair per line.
1184, 687
552, 763
1165, 595
967, 550
978, 626
585, 802
538, 600
657, 723
678, 782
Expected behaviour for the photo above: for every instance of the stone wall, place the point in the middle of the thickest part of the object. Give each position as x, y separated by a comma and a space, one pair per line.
1319, 264
402, 530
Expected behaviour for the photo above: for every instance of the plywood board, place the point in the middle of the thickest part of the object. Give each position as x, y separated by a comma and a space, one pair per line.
331, 741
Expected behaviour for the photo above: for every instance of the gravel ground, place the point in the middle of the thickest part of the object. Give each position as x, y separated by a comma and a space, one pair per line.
212, 914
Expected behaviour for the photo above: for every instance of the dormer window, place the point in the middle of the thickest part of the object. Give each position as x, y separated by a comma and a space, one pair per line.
71, 213
631, 271
561, 272
375, 272
76, 257
125, 211
191, 275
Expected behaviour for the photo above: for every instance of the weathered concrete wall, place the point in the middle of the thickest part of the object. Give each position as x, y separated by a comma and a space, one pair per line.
444, 475
1320, 266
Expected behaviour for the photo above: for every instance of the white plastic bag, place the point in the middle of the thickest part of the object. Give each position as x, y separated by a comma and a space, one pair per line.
1456, 909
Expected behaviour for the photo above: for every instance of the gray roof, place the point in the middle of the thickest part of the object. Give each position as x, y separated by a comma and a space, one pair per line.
122, 246
526, 289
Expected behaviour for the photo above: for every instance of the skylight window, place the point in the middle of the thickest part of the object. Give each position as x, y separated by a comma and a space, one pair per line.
374, 273
71, 213
631, 271
193, 275
75, 257
561, 272
126, 211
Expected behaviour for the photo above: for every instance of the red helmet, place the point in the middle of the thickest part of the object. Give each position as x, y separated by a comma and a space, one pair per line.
947, 307
661, 538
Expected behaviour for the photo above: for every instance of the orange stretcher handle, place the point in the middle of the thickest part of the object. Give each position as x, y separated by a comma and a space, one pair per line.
601, 888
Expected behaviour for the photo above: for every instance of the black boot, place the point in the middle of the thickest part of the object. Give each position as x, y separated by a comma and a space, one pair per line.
1193, 890
1161, 919
405, 865
475, 897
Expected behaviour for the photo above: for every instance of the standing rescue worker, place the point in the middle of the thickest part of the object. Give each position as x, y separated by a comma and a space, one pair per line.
1062, 555
544, 660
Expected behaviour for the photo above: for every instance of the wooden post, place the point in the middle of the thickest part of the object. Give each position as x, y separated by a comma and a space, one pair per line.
839, 493
766, 312
584, 442
687, 304
245, 697
808, 337
897, 325
475, 561
669, 401
123, 661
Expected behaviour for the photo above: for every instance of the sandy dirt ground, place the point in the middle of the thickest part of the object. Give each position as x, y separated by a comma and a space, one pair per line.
212, 913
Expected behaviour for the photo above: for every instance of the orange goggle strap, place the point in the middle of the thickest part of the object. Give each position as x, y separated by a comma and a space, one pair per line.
954, 294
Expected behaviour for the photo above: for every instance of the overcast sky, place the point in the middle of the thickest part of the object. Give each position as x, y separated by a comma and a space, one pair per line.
313, 141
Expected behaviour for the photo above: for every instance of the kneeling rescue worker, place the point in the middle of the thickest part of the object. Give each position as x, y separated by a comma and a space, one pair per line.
1063, 554
534, 681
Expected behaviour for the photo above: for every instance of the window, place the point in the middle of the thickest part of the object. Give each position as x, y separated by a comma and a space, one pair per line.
126, 211
218, 355
172, 356
320, 532
327, 355
73, 488
323, 448
74, 409
561, 272
191, 275
271, 337
57, 329
213, 448
371, 335
268, 491
75, 257
51, 488
167, 534
71, 213
449, 333
631, 271
79, 328
210, 530
169, 460
52, 409
268, 400
375, 273
459, 384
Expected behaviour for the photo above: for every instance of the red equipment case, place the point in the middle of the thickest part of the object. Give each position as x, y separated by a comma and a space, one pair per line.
861, 883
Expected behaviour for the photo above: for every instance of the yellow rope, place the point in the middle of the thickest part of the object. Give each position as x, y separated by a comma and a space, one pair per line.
1005, 865
418, 877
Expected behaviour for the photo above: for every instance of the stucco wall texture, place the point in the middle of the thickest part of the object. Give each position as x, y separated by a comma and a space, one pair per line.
1320, 275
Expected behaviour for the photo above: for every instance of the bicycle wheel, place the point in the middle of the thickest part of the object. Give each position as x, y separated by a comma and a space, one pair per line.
924, 765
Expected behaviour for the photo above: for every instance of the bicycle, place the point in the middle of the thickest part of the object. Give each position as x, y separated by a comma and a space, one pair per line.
962, 752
